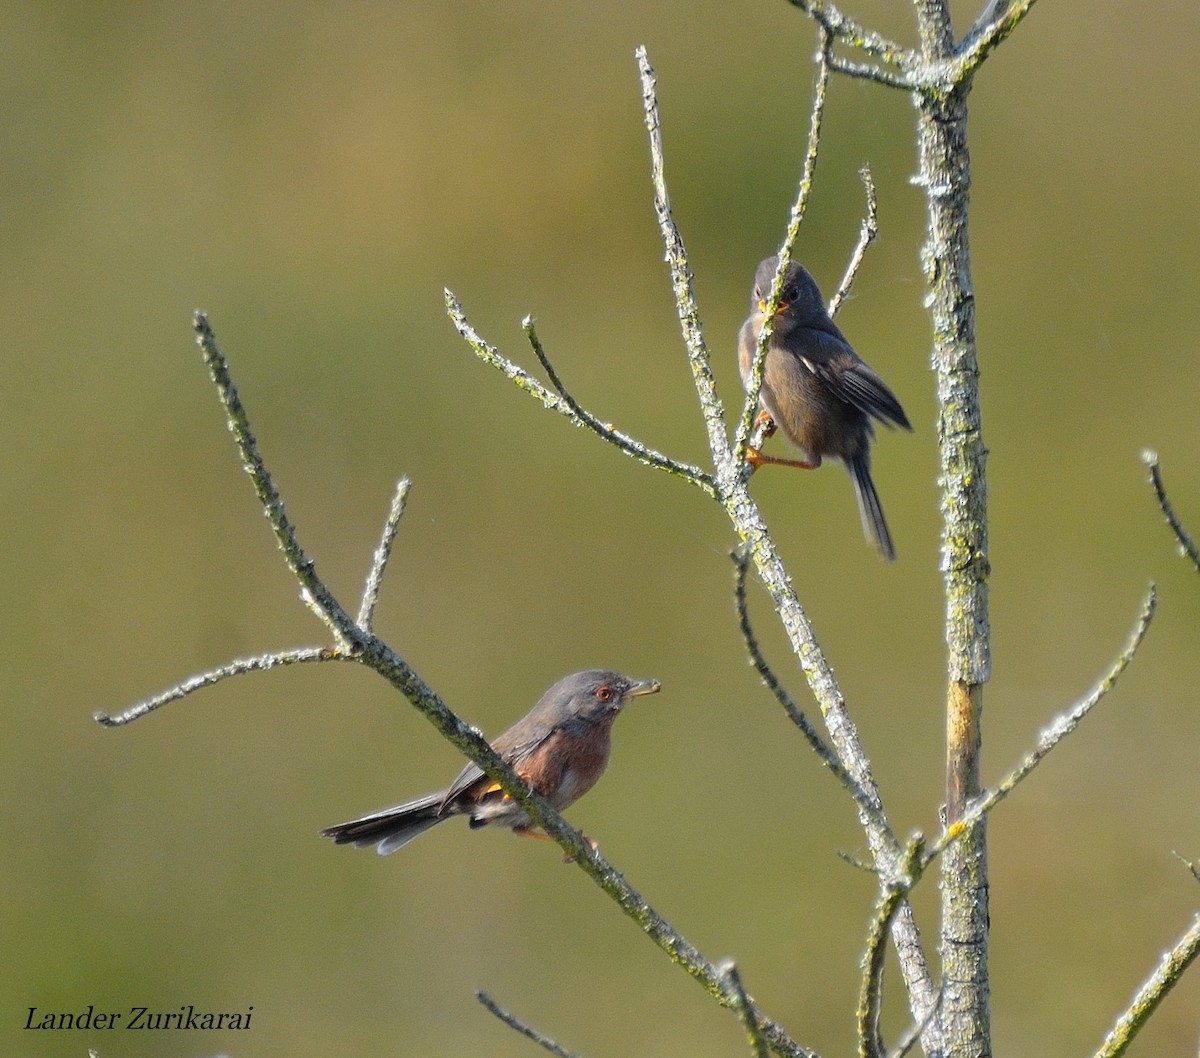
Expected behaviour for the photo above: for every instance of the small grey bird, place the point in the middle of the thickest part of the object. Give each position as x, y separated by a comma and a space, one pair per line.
817, 388
560, 747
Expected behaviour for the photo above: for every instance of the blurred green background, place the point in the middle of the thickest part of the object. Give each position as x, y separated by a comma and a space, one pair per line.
313, 176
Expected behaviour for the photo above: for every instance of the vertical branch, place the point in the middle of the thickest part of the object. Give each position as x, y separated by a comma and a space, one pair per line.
681, 278
946, 177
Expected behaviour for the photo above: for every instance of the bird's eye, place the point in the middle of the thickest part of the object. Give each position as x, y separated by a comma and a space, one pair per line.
604, 694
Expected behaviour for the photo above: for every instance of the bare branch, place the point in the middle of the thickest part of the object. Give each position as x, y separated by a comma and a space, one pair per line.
994, 25
1150, 458
363, 646
850, 32
865, 71
742, 1006
298, 562
1191, 865
608, 432
261, 663
562, 403
866, 236
868, 809
541, 1039
366, 609
1052, 735
681, 281
1166, 976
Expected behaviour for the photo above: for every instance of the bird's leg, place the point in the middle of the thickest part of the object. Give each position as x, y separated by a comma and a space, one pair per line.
756, 459
764, 427
541, 835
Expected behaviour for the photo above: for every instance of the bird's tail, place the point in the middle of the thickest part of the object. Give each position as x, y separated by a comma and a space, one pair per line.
874, 524
390, 828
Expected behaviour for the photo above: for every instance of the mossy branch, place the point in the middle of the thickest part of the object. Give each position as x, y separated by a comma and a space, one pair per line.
356, 641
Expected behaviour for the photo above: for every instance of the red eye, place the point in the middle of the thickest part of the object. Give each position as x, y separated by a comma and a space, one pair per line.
604, 694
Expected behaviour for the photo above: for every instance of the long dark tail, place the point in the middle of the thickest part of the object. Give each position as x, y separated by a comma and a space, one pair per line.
874, 524
390, 828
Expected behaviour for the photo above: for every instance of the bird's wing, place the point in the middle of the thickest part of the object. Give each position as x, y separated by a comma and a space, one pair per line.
514, 745
851, 380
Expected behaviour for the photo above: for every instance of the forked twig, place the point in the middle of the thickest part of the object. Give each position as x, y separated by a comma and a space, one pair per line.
846, 30
607, 431
357, 643
564, 404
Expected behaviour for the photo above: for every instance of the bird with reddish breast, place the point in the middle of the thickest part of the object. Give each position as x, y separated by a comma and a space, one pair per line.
560, 748
817, 389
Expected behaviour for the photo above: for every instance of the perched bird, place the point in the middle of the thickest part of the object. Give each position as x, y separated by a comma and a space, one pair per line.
817, 388
560, 747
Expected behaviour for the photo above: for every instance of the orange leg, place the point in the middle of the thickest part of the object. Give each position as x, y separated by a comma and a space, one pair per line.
541, 835
756, 459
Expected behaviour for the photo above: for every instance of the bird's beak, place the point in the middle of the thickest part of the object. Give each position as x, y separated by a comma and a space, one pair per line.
762, 306
643, 687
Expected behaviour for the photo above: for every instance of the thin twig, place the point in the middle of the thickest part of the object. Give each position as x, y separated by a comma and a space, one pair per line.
608, 432
563, 404
870, 1001
988, 33
865, 71
1192, 865
850, 32
866, 236
511, 1020
742, 1006
298, 562
681, 281
1052, 735
366, 609
1150, 458
1165, 977
261, 663
758, 366
868, 809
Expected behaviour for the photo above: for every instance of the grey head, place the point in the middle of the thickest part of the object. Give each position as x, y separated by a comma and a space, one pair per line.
587, 697
800, 301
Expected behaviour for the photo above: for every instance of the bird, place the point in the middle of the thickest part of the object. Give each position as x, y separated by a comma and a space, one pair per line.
817, 389
560, 748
